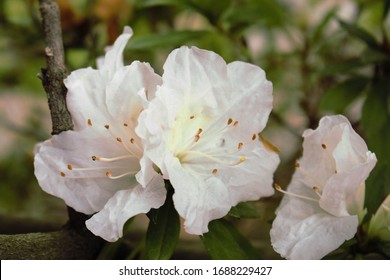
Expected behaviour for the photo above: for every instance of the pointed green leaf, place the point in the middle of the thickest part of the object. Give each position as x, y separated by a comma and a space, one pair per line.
244, 210
360, 34
337, 98
224, 242
163, 231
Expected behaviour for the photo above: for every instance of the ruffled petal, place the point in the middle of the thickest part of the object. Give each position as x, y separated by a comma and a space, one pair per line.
302, 230
109, 222
58, 160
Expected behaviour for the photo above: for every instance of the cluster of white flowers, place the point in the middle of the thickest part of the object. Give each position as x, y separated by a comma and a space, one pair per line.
198, 127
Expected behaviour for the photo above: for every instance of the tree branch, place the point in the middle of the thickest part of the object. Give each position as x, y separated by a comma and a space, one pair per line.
54, 75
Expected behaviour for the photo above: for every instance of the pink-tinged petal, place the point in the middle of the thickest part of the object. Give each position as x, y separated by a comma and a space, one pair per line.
109, 222
197, 200
64, 168
302, 230
339, 193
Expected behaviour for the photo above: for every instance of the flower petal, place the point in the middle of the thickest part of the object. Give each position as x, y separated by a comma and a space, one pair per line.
113, 60
339, 193
85, 190
108, 223
196, 199
302, 230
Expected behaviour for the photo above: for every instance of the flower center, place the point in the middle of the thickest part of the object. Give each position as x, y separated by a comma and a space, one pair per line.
199, 143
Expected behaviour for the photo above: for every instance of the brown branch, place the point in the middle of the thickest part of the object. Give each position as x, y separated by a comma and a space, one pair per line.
54, 75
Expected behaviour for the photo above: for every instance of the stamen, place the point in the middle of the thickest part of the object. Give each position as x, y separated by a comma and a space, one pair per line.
199, 131
254, 136
235, 123
89, 122
330, 157
94, 158
70, 167
197, 137
212, 158
305, 173
119, 139
214, 171
109, 174
192, 117
240, 145
62, 174
132, 140
279, 189
106, 126
125, 124
229, 121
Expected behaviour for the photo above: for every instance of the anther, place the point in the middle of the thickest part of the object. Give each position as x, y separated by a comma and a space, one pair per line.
62, 174
235, 123
94, 158
70, 167
89, 122
297, 165
214, 171
125, 124
229, 121
108, 174
323, 146
240, 145
106, 126
132, 140
192, 117
199, 131
254, 136
317, 191
197, 137
242, 159
119, 139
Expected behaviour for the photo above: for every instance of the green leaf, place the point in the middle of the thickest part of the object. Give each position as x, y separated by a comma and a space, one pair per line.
337, 98
244, 210
224, 242
163, 231
376, 126
377, 188
386, 8
360, 34
171, 39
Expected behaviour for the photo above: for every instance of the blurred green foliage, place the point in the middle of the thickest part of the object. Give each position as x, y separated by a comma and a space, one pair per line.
323, 57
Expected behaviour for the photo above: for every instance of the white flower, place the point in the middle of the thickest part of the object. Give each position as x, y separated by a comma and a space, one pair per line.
100, 167
325, 198
379, 226
202, 129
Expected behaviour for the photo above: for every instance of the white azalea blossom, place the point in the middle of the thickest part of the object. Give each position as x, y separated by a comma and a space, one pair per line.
379, 226
202, 129
100, 166
325, 199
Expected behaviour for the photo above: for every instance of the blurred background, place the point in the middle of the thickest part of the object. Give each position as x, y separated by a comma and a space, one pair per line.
323, 57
